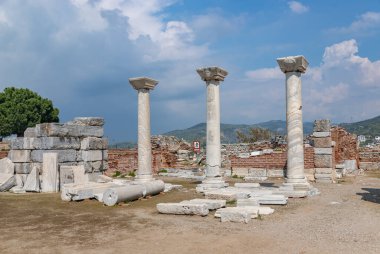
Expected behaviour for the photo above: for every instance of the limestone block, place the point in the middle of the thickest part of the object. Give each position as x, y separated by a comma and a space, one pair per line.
54, 143
322, 142
183, 209
66, 175
260, 192
21, 143
26, 168
255, 178
323, 176
50, 177
170, 187
88, 121
275, 172
255, 210
322, 125
212, 204
272, 199
91, 155
93, 143
323, 151
235, 216
79, 175
321, 134
247, 202
105, 166
67, 130
7, 166
240, 171
113, 196
95, 177
257, 172
32, 183
7, 181
30, 133
323, 170
19, 155
247, 185
93, 166
323, 180
63, 155
105, 155
322, 161
350, 166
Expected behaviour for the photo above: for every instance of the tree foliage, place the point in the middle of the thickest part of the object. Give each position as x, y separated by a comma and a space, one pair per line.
254, 135
23, 108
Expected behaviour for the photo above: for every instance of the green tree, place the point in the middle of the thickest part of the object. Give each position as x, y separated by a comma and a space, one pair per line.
21, 108
254, 135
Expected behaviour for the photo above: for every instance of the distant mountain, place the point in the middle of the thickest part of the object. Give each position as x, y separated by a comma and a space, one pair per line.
228, 131
369, 127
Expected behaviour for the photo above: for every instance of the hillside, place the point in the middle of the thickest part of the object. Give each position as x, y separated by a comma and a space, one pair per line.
228, 131
369, 127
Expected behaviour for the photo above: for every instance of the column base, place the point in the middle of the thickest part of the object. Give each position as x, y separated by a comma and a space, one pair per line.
144, 178
298, 188
211, 183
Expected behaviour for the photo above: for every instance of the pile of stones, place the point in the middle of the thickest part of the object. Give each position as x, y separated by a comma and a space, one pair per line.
249, 198
51, 154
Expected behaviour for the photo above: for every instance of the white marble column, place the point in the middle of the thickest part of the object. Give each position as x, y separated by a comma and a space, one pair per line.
293, 67
143, 86
213, 76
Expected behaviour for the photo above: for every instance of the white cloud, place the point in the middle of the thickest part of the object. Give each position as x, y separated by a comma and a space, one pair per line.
4, 19
337, 88
365, 22
297, 7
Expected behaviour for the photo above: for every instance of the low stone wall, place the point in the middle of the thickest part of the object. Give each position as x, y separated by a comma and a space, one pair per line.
369, 159
275, 160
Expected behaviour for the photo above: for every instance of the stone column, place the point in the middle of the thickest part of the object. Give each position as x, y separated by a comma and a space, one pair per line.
143, 86
213, 76
293, 67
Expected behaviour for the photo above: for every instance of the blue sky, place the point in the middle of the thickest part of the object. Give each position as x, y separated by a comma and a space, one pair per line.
80, 54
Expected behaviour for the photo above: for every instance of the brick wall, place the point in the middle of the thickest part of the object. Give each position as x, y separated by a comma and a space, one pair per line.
276, 160
346, 145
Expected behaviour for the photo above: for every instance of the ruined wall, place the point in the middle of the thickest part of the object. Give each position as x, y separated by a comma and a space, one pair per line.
275, 160
346, 145
369, 158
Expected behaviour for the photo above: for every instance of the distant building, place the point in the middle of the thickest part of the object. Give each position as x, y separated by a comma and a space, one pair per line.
361, 138
377, 139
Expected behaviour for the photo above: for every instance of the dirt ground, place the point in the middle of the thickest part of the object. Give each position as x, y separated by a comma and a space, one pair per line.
345, 218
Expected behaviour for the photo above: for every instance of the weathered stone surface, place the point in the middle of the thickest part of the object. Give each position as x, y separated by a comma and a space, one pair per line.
45, 143
91, 155
321, 134
32, 183
322, 125
275, 172
113, 196
323, 151
323, 180
63, 155
7, 181
226, 194
322, 142
272, 199
257, 172
20, 179
293, 64
67, 130
88, 121
105, 155
255, 210
66, 175
93, 143
26, 168
30, 133
78, 192
350, 166
319, 176
235, 216
19, 155
7, 166
247, 185
323, 170
240, 171
79, 175
183, 209
152, 187
247, 202
212, 204
93, 166
322, 161
50, 177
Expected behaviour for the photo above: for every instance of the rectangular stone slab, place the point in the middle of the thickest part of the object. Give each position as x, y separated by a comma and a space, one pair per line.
7, 181
33, 181
235, 216
7, 166
255, 210
321, 134
323, 170
322, 161
247, 185
93, 143
322, 125
323, 151
19, 155
68, 130
63, 155
183, 209
322, 142
50, 177
212, 204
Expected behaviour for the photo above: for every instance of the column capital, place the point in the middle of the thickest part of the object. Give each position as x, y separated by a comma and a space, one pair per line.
212, 73
293, 64
143, 83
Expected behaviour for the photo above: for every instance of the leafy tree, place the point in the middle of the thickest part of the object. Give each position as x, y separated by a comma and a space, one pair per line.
254, 135
23, 108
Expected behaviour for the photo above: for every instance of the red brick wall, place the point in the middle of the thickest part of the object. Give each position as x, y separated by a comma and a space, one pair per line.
275, 160
369, 155
125, 160
346, 146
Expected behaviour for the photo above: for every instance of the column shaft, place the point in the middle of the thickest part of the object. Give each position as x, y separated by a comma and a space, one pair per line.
295, 163
213, 156
144, 145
